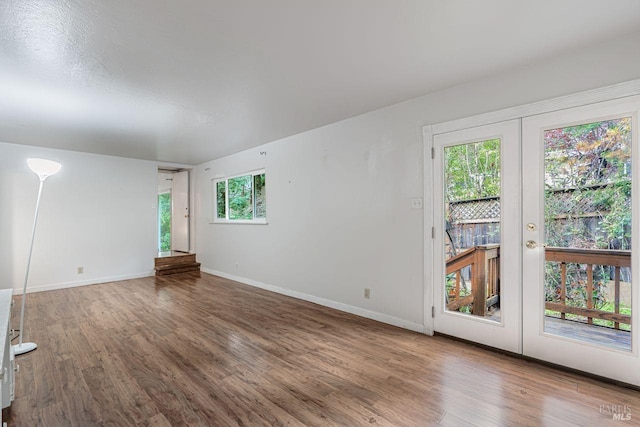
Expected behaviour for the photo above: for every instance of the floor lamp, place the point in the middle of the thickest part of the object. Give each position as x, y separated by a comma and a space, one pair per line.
44, 169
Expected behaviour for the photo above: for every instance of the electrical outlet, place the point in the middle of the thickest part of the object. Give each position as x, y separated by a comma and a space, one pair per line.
367, 293
80, 270
236, 264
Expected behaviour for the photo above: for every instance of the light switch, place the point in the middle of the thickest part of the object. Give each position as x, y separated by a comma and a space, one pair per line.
416, 203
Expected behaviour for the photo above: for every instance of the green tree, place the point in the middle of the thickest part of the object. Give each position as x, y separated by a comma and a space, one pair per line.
588, 167
164, 207
259, 187
221, 193
472, 171
240, 198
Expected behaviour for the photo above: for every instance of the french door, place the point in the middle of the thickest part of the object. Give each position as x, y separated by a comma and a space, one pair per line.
580, 234
535, 234
476, 240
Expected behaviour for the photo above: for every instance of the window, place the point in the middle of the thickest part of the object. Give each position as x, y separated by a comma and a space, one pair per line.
241, 199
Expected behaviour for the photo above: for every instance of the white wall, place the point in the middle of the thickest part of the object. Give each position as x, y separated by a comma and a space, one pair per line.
338, 197
98, 212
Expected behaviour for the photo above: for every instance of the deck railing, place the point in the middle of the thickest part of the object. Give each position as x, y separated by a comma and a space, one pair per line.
615, 258
484, 261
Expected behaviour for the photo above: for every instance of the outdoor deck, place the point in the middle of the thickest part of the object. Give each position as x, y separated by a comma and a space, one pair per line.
599, 335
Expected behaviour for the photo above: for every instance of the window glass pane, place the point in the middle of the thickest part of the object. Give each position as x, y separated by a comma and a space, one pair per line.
588, 232
221, 192
472, 241
259, 188
240, 198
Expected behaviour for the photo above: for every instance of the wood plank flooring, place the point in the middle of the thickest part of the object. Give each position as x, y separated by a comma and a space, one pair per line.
198, 350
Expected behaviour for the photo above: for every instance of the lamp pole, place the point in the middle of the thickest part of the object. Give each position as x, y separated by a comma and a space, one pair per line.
44, 169
29, 346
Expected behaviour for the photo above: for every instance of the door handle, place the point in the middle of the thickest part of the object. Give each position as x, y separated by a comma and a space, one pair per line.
532, 244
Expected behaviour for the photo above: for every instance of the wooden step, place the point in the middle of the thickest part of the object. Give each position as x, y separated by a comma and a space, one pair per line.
176, 262
175, 258
177, 268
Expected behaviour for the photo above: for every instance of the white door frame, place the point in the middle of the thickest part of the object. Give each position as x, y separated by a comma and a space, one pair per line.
428, 230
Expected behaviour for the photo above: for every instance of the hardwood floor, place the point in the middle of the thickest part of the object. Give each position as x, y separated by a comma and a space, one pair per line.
193, 349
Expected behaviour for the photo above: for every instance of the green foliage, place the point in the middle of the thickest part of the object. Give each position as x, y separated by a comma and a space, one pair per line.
221, 199
589, 154
259, 188
591, 164
240, 198
472, 171
164, 208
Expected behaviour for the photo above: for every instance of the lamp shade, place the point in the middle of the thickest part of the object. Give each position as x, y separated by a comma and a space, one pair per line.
44, 168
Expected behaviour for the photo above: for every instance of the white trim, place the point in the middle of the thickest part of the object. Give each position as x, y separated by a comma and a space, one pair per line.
427, 277
54, 286
607, 93
362, 312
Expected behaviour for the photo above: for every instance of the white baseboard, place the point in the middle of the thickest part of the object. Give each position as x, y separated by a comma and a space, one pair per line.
54, 286
362, 312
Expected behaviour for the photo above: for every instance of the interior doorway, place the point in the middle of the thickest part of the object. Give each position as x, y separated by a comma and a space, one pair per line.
173, 210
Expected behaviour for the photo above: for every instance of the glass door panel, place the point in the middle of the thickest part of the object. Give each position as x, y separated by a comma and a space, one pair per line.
579, 227
472, 228
587, 206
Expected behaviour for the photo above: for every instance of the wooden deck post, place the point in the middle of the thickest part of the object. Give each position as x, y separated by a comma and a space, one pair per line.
479, 282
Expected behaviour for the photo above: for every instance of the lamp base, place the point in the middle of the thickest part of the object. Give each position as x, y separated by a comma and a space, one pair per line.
23, 348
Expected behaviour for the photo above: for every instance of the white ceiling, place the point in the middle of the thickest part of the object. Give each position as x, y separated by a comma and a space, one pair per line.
189, 81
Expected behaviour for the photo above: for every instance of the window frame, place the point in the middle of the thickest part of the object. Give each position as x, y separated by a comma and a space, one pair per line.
225, 220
